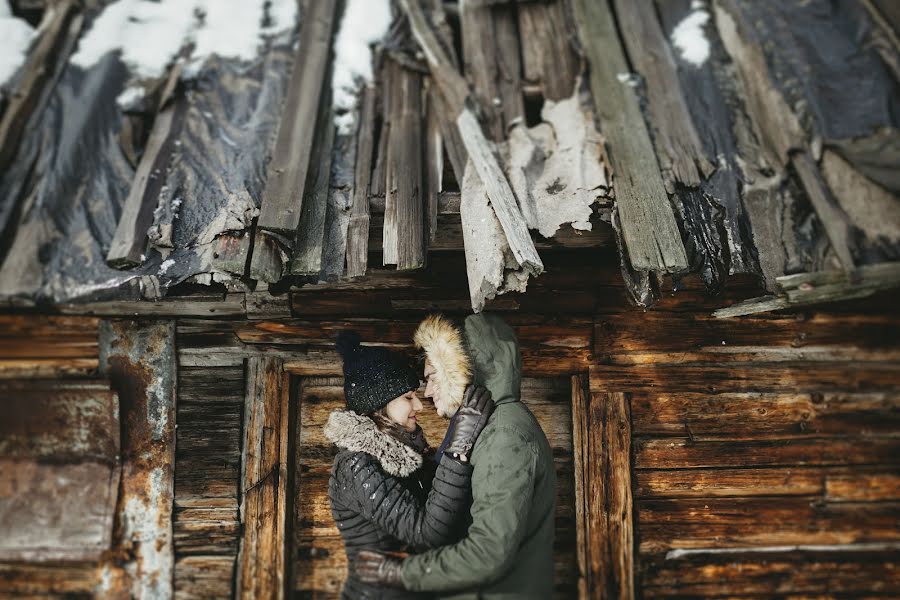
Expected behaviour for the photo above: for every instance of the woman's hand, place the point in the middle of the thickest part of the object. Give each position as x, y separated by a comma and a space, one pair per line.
377, 568
471, 419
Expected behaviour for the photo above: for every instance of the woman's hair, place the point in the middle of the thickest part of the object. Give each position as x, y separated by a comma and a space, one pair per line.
382, 421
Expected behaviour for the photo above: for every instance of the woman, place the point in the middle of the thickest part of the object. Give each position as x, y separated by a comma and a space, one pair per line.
382, 493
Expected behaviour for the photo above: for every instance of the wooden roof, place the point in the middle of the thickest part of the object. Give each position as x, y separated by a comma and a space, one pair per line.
719, 138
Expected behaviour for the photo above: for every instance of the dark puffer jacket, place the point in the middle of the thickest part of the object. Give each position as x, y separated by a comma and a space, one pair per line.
382, 498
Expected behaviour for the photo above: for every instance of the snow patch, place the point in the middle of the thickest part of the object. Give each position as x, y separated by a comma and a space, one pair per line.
17, 35
166, 264
150, 33
364, 22
688, 36
130, 97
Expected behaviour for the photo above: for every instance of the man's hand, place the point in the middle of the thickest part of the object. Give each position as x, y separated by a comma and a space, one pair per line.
377, 568
473, 415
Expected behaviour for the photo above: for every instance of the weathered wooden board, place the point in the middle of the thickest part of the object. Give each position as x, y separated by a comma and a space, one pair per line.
204, 577
281, 204
59, 468
682, 453
47, 347
358, 228
739, 415
648, 223
850, 572
48, 580
260, 571
753, 522
548, 58
832, 483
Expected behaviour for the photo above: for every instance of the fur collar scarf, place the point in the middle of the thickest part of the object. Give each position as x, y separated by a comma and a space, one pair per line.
445, 347
358, 433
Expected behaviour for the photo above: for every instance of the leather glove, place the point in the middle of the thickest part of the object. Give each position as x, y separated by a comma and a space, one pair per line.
471, 418
377, 568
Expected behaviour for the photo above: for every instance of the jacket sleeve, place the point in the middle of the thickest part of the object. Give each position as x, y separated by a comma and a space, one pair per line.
502, 489
382, 499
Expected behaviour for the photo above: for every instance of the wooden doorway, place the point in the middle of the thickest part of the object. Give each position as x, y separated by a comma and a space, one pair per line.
319, 563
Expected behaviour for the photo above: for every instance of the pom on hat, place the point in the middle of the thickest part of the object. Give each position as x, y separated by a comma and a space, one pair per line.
347, 342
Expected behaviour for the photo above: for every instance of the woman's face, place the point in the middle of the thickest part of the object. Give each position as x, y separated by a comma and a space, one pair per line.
402, 410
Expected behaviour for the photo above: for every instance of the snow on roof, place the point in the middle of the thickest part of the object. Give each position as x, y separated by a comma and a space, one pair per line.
16, 35
149, 34
364, 22
688, 36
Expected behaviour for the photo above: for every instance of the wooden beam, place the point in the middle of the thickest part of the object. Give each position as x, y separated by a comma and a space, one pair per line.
139, 359
678, 146
127, 246
286, 179
617, 468
309, 238
403, 241
548, 58
585, 503
358, 228
648, 224
264, 481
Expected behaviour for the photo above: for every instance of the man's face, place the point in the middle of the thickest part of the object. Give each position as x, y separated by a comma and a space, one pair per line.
433, 389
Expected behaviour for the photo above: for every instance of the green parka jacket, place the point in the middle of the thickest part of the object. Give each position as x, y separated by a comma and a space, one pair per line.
508, 550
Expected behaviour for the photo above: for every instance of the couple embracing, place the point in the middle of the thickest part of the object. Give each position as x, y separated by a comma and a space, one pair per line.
472, 519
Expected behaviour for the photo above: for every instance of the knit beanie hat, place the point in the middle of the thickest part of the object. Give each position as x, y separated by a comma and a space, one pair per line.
372, 376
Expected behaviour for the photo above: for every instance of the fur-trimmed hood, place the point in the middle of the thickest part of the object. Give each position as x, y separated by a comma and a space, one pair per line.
359, 433
445, 348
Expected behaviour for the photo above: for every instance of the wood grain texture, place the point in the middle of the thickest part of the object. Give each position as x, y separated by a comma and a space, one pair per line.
548, 57
648, 223
281, 203
358, 228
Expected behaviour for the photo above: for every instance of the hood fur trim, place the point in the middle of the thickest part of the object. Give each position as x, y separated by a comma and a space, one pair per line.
445, 348
358, 433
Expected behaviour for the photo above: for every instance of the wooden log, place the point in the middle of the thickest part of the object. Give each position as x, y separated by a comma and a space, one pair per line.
855, 570
740, 415
309, 238
281, 203
48, 580
404, 214
749, 522
264, 481
206, 527
617, 455
681, 155
586, 468
358, 229
201, 305
139, 359
857, 483
127, 246
204, 577
683, 453
548, 59
648, 224
491, 60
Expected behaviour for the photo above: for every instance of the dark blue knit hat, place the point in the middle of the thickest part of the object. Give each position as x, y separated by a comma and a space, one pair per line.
372, 376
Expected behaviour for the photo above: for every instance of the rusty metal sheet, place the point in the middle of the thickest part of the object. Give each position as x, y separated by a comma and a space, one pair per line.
59, 469
139, 359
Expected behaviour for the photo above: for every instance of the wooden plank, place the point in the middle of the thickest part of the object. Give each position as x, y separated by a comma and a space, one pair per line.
648, 224
204, 577
681, 155
829, 571
307, 256
740, 414
833, 218
358, 229
548, 58
200, 305
127, 246
752, 522
139, 359
586, 550
281, 203
683, 453
261, 560
832, 483
47, 580
617, 455
490, 48
758, 377
404, 243
434, 163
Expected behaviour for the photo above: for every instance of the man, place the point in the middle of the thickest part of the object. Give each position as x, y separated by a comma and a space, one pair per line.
508, 549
